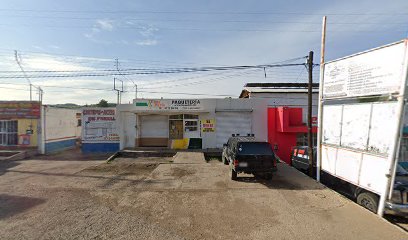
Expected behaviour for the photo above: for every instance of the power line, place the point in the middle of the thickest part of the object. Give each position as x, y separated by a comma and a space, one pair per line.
203, 12
111, 72
208, 29
207, 20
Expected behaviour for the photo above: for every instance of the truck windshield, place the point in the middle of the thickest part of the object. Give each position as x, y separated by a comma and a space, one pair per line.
258, 148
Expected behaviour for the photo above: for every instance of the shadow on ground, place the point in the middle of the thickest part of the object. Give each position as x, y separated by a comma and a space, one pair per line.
7, 164
11, 205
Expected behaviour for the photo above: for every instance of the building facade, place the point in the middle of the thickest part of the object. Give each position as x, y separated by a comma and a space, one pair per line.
287, 113
19, 124
189, 123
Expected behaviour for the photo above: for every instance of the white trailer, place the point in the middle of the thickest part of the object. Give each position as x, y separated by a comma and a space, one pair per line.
361, 109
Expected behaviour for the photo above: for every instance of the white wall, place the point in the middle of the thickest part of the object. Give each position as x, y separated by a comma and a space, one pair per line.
61, 123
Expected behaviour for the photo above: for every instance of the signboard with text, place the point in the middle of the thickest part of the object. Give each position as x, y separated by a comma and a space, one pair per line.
169, 104
370, 73
99, 125
208, 125
19, 110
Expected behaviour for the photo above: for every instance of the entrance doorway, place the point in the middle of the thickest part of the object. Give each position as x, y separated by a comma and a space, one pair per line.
8, 133
154, 131
183, 126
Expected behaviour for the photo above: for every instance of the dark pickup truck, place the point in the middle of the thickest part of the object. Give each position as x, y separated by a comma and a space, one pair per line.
249, 155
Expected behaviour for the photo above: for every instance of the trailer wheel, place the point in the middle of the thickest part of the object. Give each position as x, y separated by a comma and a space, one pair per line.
233, 175
368, 200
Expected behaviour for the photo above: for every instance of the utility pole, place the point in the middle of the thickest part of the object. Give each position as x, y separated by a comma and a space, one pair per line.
117, 69
309, 112
119, 91
320, 106
25, 75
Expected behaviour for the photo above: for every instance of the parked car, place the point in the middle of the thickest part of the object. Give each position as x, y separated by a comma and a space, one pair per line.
300, 158
249, 155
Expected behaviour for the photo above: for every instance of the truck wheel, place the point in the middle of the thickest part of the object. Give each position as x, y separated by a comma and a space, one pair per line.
233, 175
268, 176
368, 200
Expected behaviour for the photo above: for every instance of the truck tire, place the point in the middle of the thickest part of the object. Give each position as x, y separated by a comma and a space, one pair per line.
233, 175
368, 200
268, 176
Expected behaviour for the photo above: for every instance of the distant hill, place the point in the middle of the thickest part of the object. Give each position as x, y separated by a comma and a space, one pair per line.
74, 106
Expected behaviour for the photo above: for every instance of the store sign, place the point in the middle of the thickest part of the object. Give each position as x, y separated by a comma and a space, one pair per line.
167, 104
19, 110
208, 125
99, 125
371, 73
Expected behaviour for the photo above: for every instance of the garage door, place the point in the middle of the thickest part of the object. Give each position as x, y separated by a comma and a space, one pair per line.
154, 130
228, 123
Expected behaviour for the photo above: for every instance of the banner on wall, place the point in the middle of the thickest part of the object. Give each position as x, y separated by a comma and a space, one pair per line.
208, 125
99, 125
19, 110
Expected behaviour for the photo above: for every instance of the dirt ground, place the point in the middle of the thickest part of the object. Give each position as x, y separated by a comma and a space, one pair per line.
172, 198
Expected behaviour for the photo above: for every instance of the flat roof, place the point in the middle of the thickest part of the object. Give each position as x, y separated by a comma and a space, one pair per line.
277, 88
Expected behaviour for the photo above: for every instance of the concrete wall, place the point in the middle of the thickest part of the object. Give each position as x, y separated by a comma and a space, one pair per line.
61, 130
290, 100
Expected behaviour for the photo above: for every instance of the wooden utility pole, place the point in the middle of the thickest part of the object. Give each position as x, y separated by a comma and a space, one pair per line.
309, 112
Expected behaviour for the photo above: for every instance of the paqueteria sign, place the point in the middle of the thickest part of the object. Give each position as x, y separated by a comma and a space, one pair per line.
166, 104
99, 125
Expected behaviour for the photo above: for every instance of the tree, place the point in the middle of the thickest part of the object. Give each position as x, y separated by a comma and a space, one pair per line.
103, 103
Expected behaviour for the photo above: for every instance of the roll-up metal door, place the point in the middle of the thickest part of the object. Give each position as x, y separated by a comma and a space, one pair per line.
154, 130
228, 123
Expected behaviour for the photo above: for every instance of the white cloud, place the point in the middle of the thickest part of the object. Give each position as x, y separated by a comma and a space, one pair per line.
105, 24
44, 62
146, 42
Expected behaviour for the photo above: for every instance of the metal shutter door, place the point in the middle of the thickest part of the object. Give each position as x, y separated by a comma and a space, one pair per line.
228, 123
154, 126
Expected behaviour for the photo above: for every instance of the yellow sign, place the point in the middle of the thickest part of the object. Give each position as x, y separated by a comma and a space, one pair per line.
208, 125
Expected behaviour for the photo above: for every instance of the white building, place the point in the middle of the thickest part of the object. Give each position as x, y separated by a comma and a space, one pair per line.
189, 123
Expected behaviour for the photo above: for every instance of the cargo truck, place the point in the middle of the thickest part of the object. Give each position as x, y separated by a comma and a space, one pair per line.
361, 140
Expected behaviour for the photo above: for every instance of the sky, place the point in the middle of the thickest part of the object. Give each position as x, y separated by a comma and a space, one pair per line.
88, 36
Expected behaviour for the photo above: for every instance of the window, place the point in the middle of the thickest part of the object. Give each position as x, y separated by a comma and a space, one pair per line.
175, 117
190, 116
8, 133
190, 126
79, 123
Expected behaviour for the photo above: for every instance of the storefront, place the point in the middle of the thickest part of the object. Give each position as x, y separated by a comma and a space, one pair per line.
19, 124
189, 123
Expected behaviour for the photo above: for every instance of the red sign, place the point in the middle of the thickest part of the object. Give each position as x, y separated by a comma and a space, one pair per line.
19, 110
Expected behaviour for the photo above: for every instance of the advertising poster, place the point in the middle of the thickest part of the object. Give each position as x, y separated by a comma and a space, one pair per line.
99, 125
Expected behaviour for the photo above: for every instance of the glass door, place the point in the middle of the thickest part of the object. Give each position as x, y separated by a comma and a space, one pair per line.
191, 127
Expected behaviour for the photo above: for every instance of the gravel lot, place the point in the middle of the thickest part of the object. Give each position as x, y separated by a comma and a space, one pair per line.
172, 198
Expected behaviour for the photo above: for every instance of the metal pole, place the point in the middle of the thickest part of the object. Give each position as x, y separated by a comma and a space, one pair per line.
320, 107
135, 91
309, 113
393, 154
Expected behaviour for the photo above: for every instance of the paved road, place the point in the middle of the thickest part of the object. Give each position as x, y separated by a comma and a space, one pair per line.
180, 198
